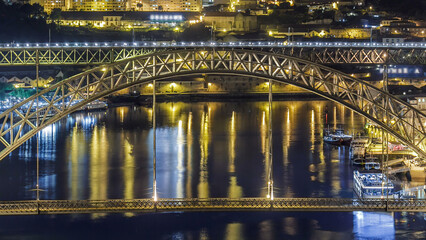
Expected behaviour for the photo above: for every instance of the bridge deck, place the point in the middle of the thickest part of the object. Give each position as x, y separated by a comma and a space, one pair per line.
212, 204
104, 53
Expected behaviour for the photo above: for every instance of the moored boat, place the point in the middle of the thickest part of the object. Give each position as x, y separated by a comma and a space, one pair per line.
337, 137
372, 185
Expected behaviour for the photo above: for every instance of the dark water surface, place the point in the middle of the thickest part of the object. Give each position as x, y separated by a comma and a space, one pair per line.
203, 150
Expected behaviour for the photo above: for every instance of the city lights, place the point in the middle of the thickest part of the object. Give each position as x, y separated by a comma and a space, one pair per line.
146, 115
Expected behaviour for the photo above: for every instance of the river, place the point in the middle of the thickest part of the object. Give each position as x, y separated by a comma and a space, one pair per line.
204, 149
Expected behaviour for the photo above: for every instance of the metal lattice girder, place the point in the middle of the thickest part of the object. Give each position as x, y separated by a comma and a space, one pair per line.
390, 113
67, 56
104, 55
209, 204
358, 55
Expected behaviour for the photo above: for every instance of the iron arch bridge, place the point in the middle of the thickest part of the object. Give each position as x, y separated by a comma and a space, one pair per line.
395, 116
103, 53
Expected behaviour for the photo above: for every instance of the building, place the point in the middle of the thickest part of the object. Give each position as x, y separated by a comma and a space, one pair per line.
407, 28
49, 5
242, 5
98, 5
320, 7
231, 21
350, 33
122, 5
86, 5
387, 22
393, 39
125, 19
418, 102
27, 79
172, 5
27, 82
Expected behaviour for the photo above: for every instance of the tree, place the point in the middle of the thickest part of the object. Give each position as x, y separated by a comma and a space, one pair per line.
196, 32
55, 15
4, 88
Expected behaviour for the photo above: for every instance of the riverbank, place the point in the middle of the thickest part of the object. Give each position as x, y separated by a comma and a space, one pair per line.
211, 97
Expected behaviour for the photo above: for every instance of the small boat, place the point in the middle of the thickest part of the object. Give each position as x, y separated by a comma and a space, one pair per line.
333, 140
372, 166
346, 138
95, 105
358, 162
337, 138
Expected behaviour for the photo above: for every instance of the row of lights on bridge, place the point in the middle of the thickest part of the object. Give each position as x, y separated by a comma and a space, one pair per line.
165, 44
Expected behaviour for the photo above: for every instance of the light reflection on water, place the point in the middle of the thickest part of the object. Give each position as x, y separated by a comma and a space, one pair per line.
204, 150
371, 225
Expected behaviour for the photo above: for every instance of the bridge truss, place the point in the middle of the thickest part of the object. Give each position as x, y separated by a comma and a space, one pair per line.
395, 116
104, 54
210, 204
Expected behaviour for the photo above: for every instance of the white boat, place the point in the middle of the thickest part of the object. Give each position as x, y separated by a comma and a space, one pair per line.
337, 138
340, 133
372, 166
95, 105
372, 185
358, 147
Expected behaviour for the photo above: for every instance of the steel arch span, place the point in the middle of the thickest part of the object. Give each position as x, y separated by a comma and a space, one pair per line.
395, 116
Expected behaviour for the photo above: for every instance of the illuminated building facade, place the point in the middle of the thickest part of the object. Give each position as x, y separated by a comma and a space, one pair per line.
49, 5
127, 19
87, 5
172, 5
99, 5
231, 21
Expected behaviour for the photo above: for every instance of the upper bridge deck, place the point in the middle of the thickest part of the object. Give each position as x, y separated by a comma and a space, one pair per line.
18, 54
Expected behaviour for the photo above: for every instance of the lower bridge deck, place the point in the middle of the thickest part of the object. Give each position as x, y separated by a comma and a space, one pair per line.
211, 204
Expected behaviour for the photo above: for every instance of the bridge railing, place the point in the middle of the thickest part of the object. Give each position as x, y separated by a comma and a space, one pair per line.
104, 53
154, 44
210, 204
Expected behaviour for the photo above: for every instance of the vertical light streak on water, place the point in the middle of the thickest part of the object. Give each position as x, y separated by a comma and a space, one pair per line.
99, 166
189, 146
372, 225
312, 163
352, 127
234, 231
286, 138
290, 226
121, 109
263, 133
204, 234
173, 111
128, 171
77, 151
320, 129
150, 115
286, 146
321, 166
264, 141
312, 129
234, 190
266, 230
48, 142
203, 185
180, 140
231, 149
335, 117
